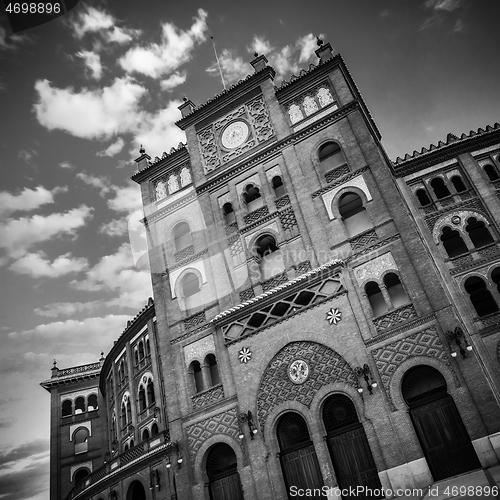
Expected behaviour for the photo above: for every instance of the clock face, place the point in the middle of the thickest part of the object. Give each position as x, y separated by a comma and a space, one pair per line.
298, 371
234, 135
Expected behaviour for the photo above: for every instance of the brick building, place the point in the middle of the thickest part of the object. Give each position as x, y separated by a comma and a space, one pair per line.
322, 316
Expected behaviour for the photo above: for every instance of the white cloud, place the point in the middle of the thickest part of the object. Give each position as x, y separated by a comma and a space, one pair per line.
173, 81
27, 156
121, 35
234, 68
97, 331
27, 199
37, 265
117, 273
158, 131
115, 227
18, 235
127, 198
283, 61
67, 308
92, 61
113, 149
101, 113
10, 42
261, 46
101, 183
448, 5
91, 21
175, 49
307, 45
66, 165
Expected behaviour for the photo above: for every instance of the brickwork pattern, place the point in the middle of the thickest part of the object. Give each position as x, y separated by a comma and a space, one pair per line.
224, 423
424, 343
194, 320
303, 267
288, 221
394, 318
282, 201
208, 397
274, 281
185, 253
256, 215
363, 240
335, 174
325, 367
247, 294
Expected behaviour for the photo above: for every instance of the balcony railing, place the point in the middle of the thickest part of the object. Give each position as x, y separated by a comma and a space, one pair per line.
155, 444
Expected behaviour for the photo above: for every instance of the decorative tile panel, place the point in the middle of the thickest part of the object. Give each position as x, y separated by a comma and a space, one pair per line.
455, 220
288, 221
310, 103
208, 397
184, 254
282, 201
303, 267
196, 319
394, 318
325, 367
336, 173
373, 269
256, 215
247, 294
424, 343
364, 239
274, 281
224, 423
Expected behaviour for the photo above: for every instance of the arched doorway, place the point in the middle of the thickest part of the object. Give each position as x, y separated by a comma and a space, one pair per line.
439, 427
222, 471
349, 449
298, 457
136, 491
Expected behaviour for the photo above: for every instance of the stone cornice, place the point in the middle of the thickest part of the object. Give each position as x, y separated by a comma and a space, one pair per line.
223, 99
70, 379
224, 176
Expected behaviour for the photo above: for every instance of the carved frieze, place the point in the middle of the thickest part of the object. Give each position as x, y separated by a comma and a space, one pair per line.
373, 269
199, 349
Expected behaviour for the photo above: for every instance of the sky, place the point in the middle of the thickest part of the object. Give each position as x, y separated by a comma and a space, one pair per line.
79, 95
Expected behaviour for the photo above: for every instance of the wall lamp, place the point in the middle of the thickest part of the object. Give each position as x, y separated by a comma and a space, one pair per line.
174, 448
367, 375
248, 418
154, 479
456, 336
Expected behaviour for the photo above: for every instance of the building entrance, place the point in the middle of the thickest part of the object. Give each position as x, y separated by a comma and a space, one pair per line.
222, 470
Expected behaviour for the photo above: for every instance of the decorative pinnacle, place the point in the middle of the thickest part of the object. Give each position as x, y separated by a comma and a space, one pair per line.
256, 54
55, 363
142, 150
185, 99
319, 42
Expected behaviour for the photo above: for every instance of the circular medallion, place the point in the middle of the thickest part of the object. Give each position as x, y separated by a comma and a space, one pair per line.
234, 135
456, 220
298, 371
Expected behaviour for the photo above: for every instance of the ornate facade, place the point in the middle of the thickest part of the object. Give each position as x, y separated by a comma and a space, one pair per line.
322, 317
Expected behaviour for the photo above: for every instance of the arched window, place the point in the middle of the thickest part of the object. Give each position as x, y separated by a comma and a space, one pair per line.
453, 242
423, 197
182, 236
124, 416
92, 402
136, 356
114, 433
145, 435
478, 232
191, 290
211, 362
440, 188
270, 257
148, 350
278, 186
396, 291
80, 475
79, 405
252, 198
141, 350
495, 277
80, 437
197, 377
129, 412
229, 215
353, 213
131, 443
125, 448
480, 296
67, 408
458, 184
330, 156
491, 172
376, 298
151, 393
154, 430
142, 399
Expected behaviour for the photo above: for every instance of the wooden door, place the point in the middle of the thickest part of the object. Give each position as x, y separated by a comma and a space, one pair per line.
226, 488
443, 437
301, 469
353, 461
